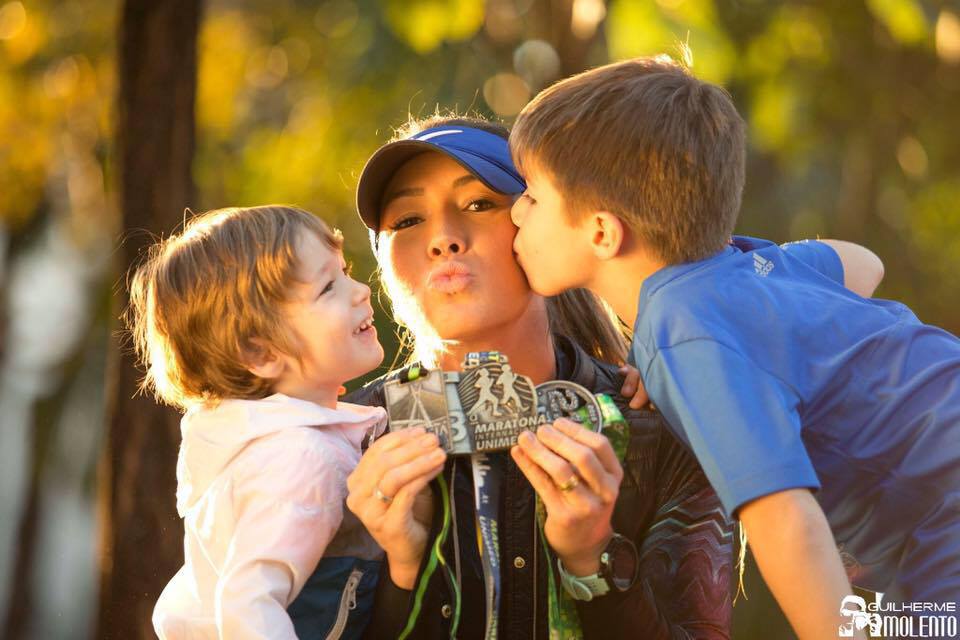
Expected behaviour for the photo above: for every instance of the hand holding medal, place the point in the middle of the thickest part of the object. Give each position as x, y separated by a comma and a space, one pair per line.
577, 475
388, 492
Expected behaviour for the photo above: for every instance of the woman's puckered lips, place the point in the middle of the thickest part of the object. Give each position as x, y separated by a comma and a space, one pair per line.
449, 277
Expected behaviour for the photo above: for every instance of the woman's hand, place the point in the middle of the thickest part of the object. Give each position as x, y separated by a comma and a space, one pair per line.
577, 475
633, 387
388, 492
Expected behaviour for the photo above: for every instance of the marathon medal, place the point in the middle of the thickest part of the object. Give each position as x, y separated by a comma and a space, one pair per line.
486, 406
498, 404
418, 398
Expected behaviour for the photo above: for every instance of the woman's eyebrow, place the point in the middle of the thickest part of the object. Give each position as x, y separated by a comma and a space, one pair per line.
418, 191
401, 193
464, 179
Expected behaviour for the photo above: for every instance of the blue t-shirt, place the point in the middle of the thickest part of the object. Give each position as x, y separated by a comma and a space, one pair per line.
778, 377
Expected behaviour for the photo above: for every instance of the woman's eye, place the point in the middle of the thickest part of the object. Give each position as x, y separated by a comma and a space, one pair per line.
481, 204
405, 222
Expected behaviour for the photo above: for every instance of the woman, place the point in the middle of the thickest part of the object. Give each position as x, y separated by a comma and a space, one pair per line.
437, 201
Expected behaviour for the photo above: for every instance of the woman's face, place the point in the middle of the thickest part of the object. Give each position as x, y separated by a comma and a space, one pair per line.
448, 240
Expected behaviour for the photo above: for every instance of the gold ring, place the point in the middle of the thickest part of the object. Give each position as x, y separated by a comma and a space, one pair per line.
572, 483
381, 496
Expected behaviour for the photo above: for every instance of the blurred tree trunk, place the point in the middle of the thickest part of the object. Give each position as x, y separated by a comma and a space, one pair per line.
579, 46
141, 544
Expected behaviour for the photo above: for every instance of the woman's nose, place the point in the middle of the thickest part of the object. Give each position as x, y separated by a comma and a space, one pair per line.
445, 245
447, 239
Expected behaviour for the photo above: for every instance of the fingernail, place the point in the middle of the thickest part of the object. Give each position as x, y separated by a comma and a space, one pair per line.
438, 455
526, 437
415, 431
428, 440
547, 430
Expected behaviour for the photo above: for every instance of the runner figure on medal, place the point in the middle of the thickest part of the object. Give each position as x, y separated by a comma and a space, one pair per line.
485, 384
506, 381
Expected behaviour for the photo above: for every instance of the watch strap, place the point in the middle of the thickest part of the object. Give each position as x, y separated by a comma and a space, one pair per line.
584, 588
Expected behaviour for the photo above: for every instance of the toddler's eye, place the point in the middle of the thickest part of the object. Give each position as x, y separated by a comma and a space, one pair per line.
326, 289
530, 199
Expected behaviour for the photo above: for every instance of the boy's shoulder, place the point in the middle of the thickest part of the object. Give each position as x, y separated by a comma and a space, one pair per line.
750, 283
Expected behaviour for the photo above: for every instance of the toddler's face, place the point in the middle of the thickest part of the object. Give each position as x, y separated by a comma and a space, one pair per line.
331, 317
552, 251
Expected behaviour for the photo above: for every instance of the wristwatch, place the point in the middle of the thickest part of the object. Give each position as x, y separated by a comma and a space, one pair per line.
619, 565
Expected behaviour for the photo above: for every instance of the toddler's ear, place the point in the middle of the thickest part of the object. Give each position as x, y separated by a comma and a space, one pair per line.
607, 234
262, 360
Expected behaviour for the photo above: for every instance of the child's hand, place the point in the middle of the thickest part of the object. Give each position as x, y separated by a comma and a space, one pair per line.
633, 387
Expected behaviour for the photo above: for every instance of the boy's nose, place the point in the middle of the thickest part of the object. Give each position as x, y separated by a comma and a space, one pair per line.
517, 211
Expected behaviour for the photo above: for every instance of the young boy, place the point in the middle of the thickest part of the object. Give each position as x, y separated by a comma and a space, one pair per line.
781, 380
248, 321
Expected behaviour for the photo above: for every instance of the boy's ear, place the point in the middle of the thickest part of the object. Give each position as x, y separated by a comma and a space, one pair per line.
606, 234
262, 360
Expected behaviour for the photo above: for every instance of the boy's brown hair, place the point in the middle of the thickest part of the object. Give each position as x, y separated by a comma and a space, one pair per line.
646, 141
208, 300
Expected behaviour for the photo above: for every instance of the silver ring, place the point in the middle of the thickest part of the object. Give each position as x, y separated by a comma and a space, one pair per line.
381, 496
572, 483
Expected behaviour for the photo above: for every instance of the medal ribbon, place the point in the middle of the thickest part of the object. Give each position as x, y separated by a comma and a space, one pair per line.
488, 470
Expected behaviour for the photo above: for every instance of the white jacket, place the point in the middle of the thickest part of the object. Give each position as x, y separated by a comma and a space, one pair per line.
261, 486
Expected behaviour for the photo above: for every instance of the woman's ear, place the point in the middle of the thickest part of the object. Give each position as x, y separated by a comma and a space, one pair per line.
262, 360
607, 234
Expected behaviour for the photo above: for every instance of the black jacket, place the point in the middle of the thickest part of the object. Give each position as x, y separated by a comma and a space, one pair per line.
665, 505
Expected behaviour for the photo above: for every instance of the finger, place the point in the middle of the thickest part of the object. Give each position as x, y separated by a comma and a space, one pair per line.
397, 477
631, 378
640, 397
559, 469
597, 442
406, 497
584, 459
395, 439
371, 457
374, 464
541, 482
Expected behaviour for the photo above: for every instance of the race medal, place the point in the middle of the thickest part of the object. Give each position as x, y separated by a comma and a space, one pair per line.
497, 403
419, 399
486, 406
563, 399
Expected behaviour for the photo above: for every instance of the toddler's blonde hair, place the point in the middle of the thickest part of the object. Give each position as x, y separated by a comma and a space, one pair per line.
207, 301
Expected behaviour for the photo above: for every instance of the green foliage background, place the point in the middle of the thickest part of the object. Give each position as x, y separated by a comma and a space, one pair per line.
852, 108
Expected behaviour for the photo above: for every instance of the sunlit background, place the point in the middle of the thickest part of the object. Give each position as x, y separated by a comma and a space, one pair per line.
854, 116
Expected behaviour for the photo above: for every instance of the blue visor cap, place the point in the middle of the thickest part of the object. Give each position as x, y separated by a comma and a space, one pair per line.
486, 155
